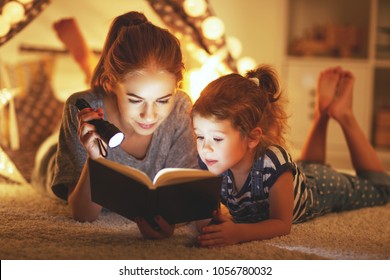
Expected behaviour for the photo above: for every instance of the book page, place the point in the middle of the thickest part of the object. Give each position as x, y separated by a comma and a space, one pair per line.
128, 171
170, 176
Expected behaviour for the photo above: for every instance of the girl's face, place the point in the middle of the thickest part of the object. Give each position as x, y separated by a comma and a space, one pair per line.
220, 146
145, 99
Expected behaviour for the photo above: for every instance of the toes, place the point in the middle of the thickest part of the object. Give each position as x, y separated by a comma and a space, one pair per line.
349, 75
337, 69
332, 70
346, 80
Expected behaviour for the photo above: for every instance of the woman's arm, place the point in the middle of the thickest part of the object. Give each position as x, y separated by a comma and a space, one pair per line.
82, 207
281, 199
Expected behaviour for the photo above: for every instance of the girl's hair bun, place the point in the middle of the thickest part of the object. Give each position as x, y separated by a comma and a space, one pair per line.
268, 81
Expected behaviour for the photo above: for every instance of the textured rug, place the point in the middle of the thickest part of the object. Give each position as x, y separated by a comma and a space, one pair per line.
33, 226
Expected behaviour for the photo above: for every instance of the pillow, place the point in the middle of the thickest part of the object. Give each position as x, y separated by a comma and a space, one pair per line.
38, 111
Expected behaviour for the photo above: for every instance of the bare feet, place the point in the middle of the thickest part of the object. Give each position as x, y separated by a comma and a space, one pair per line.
326, 88
341, 105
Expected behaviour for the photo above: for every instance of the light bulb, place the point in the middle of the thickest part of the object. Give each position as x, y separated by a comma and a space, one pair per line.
245, 64
234, 46
195, 8
25, 1
213, 28
14, 11
5, 26
200, 54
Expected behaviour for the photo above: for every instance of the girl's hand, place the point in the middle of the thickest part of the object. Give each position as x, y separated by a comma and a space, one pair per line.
87, 132
166, 230
221, 231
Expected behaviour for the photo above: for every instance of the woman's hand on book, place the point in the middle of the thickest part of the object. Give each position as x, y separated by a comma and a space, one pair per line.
162, 229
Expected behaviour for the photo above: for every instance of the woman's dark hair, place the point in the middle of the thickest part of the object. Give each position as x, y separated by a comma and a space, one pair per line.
132, 44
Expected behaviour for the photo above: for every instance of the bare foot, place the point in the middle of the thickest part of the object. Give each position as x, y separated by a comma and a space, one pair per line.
341, 106
326, 88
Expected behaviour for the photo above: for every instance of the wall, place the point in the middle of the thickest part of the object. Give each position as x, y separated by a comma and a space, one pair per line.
259, 24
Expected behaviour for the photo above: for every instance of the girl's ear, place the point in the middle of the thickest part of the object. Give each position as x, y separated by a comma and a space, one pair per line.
254, 137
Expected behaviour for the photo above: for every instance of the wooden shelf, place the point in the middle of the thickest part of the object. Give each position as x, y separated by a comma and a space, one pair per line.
371, 65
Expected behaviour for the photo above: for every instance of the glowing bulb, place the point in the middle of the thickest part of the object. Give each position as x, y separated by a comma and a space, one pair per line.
191, 47
245, 64
199, 79
213, 28
195, 8
234, 46
200, 55
5, 96
5, 25
14, 11
195, 83
25, 1
211, 65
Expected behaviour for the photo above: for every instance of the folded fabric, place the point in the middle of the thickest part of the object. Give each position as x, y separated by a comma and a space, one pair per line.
38, 111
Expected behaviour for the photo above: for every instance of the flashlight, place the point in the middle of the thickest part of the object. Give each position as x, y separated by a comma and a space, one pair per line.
109, 133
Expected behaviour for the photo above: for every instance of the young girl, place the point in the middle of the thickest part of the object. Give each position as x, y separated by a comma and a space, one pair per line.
135, 87
239, 123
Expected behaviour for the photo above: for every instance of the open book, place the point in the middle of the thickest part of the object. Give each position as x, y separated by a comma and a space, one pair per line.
177, 194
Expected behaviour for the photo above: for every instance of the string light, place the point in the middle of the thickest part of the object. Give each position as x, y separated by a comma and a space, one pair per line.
5, 26
213, 28
245, 64
195, 8
218, 55
16, 15
25, 1
13, 11
234, 46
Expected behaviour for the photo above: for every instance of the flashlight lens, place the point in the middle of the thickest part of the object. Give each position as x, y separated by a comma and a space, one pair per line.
116, 140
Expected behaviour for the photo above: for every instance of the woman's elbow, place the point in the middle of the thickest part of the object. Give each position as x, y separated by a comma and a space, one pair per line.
84, 215
84, 218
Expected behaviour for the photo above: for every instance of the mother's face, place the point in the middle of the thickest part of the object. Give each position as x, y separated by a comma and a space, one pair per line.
145, 99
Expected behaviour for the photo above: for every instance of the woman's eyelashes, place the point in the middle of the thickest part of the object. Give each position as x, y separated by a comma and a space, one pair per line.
163, 101
139, 101
135, 101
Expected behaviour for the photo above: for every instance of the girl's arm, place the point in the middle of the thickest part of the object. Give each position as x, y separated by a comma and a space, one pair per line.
281, 200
